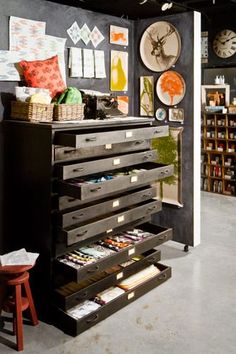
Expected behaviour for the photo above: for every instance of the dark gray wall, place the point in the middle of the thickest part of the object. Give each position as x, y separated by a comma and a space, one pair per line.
181, 219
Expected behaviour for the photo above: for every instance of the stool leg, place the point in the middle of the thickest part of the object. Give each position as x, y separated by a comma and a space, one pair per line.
19, 319
33, 314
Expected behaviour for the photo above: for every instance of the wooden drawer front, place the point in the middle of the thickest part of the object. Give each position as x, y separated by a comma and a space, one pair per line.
106, 279
84, 232
74, 327
76, 140
109, 164
68, 153
160, 235
149, 172
99, 209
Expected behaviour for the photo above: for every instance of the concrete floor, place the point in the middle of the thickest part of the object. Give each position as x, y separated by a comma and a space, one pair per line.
192, 313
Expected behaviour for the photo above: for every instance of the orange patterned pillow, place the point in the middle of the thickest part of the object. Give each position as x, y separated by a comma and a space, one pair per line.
44, 74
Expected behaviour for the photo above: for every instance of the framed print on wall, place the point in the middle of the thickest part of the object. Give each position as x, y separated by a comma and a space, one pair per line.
169, 148
147, 96
119, 35
160, 46
119, 71
176, 115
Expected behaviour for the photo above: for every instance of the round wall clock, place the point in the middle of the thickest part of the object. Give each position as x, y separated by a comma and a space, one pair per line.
170, 88
224, 43
160, 46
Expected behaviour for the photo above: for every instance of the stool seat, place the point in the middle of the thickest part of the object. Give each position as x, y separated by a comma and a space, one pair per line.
17, 277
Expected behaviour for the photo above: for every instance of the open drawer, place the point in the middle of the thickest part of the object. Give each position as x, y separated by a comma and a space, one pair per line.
72, 326
78, 139
84, 189
70, 294
66, 272
84, 231
79, 169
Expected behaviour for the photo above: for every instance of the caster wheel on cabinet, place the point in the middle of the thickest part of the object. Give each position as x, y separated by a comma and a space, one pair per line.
186, 248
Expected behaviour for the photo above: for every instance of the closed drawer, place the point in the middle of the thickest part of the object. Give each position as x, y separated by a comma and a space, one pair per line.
79, 140
158, 235
143, 174
74, 326
107, 224
70, 294
68, 153
98, 209
102, 165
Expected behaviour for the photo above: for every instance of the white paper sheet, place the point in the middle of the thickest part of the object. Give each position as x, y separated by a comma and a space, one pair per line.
20, 29
100, 70
19, 257
88, 63
75, 62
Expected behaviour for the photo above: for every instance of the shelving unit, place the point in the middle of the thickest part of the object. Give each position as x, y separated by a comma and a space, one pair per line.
218, 157
61, 201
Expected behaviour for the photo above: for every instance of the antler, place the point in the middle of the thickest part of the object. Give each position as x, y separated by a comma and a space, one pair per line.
153, 41
170, 30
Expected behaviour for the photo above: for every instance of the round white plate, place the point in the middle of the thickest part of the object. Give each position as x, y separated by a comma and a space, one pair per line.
170, 88
160, 114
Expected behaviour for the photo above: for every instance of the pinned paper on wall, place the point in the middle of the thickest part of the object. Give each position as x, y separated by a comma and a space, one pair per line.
29, 39
85, 34
88, 63
74, 32
96, 37
100, 70
75, 62
119, 35
20, 29
119, 71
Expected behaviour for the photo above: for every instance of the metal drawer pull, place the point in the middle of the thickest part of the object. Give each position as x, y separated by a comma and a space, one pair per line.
85, 294
163, 276
151, 208
162, 173
149, 156
95, 318
157, 131
77, 217
95, 189
79, 169
146, 195
93, 270
69, 151
71, 200
162, 237
82, 233
93, 138
138, 142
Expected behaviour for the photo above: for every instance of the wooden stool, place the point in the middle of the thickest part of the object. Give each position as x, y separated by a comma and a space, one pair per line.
18, 277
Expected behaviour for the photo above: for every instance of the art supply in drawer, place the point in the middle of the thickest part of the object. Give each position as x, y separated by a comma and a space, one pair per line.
115, 243
136, 235
83, 309
77, 258
97, 251
108, 295
139, 278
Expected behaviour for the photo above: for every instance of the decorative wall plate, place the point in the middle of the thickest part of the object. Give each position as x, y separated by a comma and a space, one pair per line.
160, 114
170, 88
160, 46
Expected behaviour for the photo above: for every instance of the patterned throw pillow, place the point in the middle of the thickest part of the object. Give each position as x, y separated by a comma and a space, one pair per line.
44, 74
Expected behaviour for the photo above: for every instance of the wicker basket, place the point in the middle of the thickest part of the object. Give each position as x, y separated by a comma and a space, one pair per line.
68, 112
37, 112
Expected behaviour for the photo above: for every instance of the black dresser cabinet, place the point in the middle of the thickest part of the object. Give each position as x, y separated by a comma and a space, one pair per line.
70, 185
